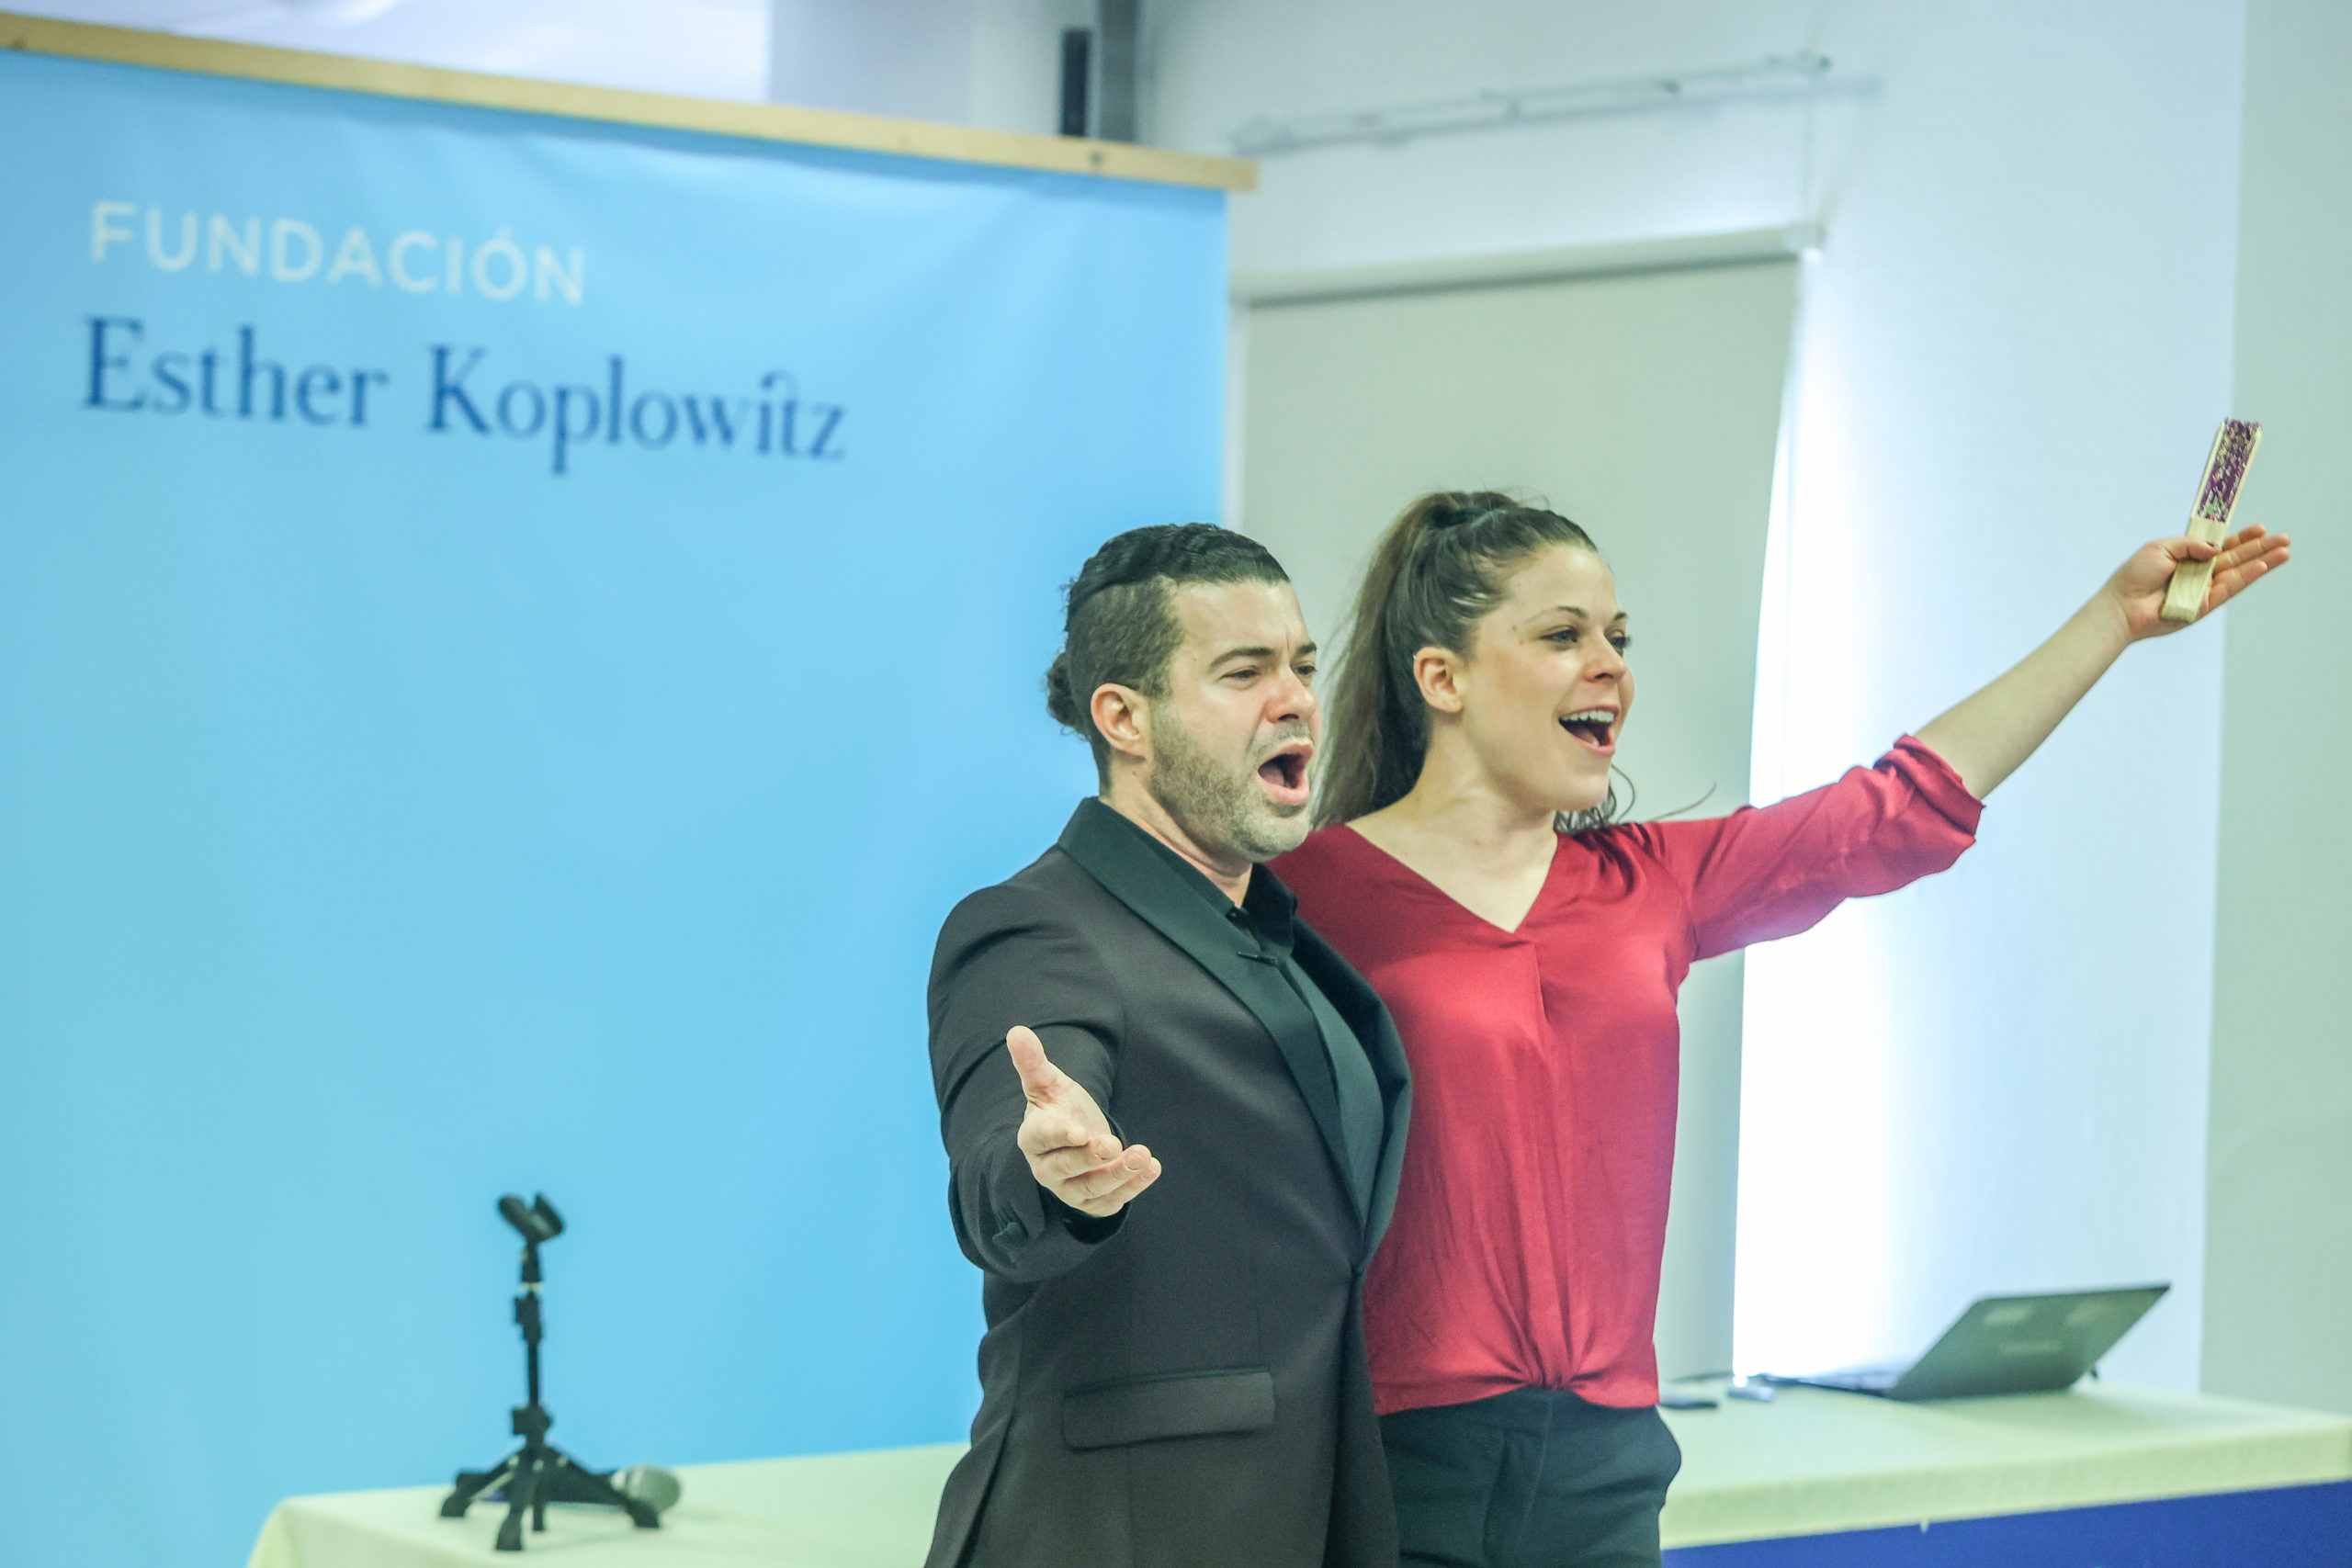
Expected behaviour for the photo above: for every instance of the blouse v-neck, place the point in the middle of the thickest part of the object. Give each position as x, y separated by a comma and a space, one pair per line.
1516, 932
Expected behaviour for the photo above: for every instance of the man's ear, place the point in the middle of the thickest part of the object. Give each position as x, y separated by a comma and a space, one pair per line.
1437, 671
1122, 719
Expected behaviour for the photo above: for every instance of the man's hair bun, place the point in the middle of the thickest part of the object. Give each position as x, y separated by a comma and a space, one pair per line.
1060, 701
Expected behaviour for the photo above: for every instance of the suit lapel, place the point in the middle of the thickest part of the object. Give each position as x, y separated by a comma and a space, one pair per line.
1367, 1015
1158, 896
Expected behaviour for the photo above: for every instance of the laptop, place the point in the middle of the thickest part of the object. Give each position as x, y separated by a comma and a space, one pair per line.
2006, 1344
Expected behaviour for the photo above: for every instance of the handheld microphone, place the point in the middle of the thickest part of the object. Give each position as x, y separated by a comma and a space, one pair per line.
651, 1484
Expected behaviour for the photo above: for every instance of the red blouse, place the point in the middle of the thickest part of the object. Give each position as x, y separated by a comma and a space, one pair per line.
1532, 1216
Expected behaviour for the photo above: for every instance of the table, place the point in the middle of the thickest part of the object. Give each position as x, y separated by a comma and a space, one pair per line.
854, 1510
2104, 1475
2100, 1475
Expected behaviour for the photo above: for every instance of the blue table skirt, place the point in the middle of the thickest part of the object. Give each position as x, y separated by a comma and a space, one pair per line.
2294, 1526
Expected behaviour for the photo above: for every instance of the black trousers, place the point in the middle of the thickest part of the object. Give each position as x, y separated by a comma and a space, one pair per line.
1528, 1479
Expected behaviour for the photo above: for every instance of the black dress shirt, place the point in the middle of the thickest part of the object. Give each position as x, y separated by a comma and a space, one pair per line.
1265, 921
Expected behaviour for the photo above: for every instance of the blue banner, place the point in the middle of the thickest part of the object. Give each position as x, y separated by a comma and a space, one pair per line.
513, 634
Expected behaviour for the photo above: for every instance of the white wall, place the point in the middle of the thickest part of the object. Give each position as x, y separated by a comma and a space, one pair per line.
988, 63
1212, 65
2010, 359
909, 58
2012, 367
985, 62
707, 48
2279, 1230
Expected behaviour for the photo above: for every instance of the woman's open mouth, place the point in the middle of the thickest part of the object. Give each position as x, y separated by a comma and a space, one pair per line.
1593, 727
1284, 774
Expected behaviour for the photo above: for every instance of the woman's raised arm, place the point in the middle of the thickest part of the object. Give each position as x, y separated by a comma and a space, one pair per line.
1986, 736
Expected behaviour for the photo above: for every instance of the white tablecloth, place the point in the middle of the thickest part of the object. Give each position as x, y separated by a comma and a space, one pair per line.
1813, 1460
1808, 1464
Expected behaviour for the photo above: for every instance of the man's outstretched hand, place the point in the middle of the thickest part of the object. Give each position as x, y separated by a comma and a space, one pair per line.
1072, 1151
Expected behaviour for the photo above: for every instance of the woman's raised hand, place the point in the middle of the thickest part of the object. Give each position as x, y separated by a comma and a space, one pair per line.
1071, 1147
1986, 736
2138, 586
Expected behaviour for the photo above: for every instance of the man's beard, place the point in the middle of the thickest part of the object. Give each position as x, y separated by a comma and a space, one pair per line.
1217, 806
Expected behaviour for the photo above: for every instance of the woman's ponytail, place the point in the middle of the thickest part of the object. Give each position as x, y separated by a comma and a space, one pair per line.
1378, 729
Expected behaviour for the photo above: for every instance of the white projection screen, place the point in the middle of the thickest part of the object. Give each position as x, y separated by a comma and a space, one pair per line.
1646, 406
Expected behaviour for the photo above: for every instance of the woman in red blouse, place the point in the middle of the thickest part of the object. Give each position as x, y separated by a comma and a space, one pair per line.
1531, 948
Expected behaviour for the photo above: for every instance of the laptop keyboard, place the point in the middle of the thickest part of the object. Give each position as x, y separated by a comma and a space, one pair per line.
1856, 1379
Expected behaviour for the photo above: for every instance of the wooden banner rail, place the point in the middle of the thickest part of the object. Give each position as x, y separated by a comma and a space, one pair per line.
762, 122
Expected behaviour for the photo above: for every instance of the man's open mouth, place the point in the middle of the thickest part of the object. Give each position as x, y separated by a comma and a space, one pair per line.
1594, 727
1284, 774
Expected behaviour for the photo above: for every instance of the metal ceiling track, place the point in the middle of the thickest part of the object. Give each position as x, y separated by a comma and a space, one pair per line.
1501, 109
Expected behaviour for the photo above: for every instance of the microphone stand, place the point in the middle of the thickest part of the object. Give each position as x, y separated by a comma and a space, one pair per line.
539, 1472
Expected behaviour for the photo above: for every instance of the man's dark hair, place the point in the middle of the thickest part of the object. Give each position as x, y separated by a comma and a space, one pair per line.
1119, 624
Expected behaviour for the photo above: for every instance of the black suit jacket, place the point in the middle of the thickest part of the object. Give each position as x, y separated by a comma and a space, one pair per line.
1185, 1385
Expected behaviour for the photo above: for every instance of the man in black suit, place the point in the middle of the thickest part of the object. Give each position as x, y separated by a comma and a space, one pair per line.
1174, 1117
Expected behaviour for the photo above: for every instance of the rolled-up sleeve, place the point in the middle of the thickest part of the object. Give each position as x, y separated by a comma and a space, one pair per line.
1005, 957
1773, 871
